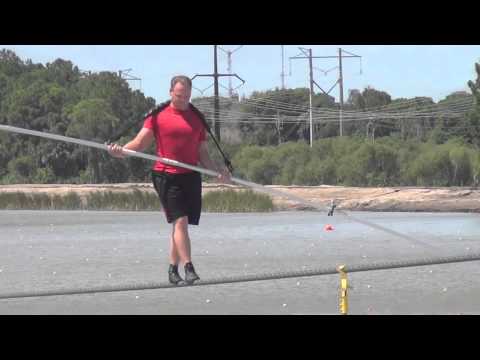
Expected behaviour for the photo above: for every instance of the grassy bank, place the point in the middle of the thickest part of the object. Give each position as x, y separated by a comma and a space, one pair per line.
237, 201
214, 201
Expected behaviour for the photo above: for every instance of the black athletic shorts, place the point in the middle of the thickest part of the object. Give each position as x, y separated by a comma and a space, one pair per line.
180, 195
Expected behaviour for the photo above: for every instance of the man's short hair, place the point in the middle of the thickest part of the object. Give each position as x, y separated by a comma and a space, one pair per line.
185, 80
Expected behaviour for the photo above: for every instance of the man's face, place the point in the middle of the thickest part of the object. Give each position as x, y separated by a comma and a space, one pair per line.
180, 96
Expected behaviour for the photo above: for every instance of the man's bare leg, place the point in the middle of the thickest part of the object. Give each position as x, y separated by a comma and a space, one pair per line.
174, 257
181, 242
180, 248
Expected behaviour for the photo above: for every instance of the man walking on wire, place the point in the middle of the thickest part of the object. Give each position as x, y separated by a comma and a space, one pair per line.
180, 135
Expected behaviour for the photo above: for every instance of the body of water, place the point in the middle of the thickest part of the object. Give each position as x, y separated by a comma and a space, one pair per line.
44, 250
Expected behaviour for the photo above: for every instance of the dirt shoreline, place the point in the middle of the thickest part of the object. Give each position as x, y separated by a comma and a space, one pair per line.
453, 199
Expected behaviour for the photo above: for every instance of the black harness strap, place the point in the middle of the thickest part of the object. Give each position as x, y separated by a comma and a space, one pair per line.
228, 164
153, 112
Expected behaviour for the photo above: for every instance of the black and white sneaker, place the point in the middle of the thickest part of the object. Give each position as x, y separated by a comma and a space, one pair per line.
173, 275
190, 274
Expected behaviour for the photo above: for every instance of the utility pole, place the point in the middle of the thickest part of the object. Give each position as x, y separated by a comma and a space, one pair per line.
311, 94
371, 125
340, 56
308, 53
216, 122
282, 75
279, 127
340, 80
216, 75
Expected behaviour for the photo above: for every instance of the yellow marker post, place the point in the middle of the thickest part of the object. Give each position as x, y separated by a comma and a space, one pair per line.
343, 290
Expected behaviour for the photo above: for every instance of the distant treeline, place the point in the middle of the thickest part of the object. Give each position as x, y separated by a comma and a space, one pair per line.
351, 161
60, 98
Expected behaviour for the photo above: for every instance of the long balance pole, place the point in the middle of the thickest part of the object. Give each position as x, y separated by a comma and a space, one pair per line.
250, 184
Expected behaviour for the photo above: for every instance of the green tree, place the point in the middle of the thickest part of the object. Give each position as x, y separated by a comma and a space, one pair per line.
10, 64
92, 119
462, 171
21, 169
432, 167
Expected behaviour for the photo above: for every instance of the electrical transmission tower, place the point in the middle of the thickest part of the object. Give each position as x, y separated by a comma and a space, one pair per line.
308, 55
216, 75
125, 74
229, 68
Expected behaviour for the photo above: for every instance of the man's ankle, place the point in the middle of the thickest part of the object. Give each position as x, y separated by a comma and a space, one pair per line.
173, 267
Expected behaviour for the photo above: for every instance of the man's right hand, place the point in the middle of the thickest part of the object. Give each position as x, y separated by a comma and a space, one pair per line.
224, 177
116, 151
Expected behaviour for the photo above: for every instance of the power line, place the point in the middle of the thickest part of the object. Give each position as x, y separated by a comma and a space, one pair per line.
339, 81
452, 109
